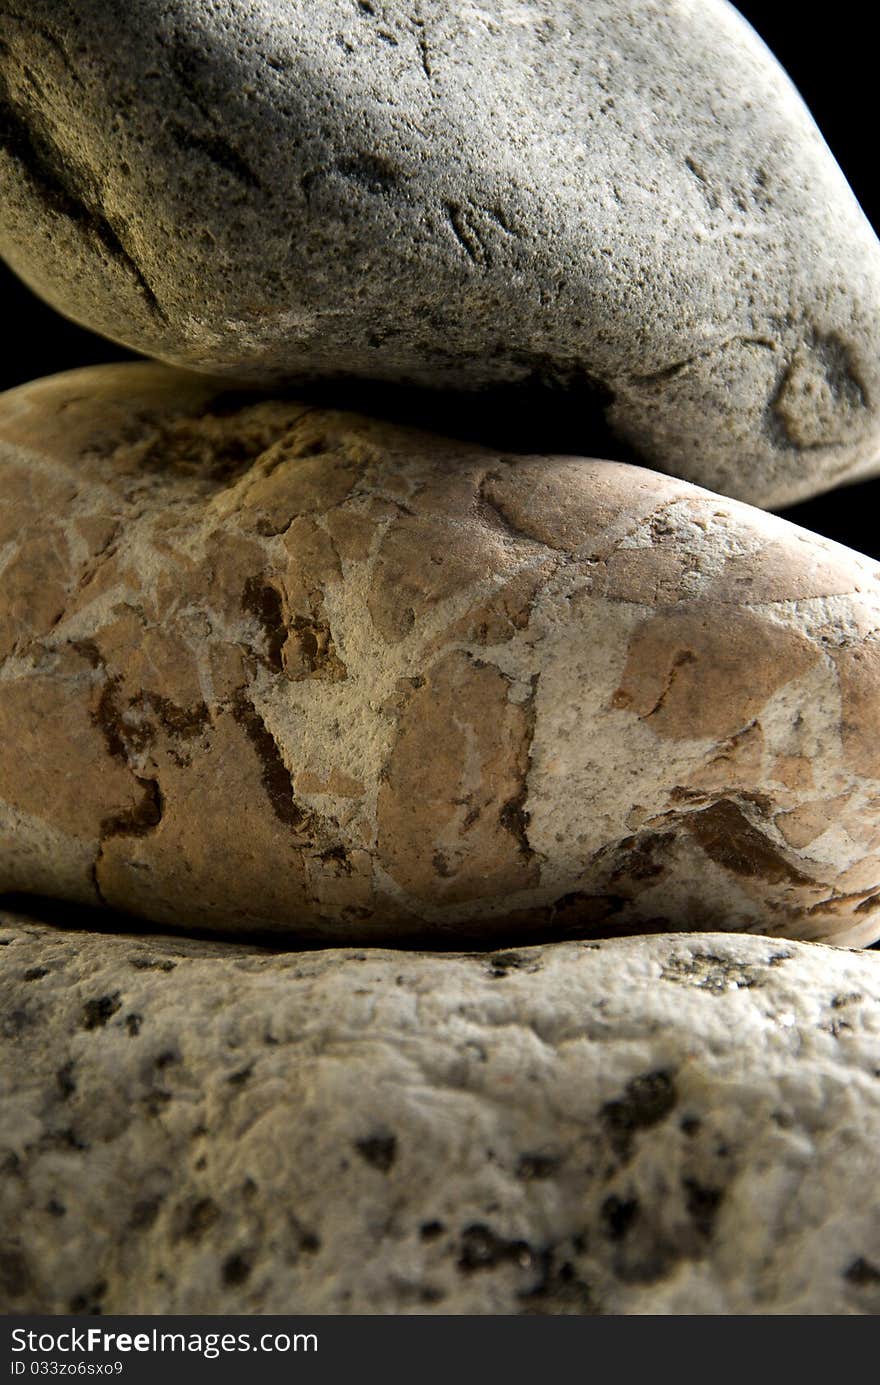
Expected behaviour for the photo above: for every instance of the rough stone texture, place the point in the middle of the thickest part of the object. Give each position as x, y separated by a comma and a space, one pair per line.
266, 667
625, 202
678, 1124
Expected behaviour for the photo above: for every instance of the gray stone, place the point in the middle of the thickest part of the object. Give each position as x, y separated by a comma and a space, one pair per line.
623, 202
667, 1125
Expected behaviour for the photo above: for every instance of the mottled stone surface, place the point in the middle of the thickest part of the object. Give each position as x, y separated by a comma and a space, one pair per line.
675, 1125
627, 203
266, 667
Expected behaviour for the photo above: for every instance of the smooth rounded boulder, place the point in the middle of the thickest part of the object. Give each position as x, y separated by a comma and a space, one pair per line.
627, 205
269, 667
670, 1125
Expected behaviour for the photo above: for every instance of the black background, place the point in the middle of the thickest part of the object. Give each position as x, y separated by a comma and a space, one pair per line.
830, 53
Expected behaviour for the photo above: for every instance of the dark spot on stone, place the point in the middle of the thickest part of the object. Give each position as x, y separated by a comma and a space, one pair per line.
275, 774
729, 839
217, 149
142, 818
96, 1013
430, 1230
152, 963
710, 972
646, 1101
482, 1249
313, 447
852, 998
500, 963
64, 1078
639, 862
647, 1265
536, 1166
831, 360
239, 1078
702, 1205
313, 650
691, 1125
618, 1216
89, 1300
557, 1289
88, 650
305, 1241
236, 1270
429, 1293
515, 820
197, 1218
264, 602
106, 715
35, 973
133, 1024
379, 1151
369, 171
15, 1278
156, 1101
15, 1022
55, 1208
165, 1059
144, 1213
65, 1139
441, 865
336, 853
181, 723
467, 226
836, 1028
862, 1273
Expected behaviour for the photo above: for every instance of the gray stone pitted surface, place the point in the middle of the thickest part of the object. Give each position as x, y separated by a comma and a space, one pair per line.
667, 1125
628, 202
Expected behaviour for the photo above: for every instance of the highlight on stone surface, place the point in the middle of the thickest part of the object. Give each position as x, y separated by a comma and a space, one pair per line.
628, 205
271, 667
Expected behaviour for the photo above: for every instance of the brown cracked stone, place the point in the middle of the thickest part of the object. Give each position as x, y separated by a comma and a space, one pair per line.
697, 670
859, 671
275, 668
457, 779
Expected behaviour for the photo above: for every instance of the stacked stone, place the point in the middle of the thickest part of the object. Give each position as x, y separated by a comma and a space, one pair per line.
283, 674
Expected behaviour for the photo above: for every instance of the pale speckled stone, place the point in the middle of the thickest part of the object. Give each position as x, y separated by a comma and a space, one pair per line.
625, 202
671, 1125
266, 667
